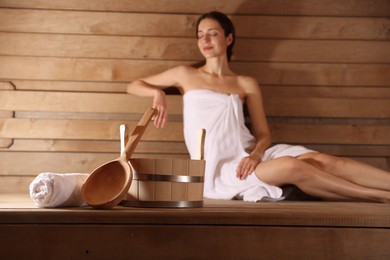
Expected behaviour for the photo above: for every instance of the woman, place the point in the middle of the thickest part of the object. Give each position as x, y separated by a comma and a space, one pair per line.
239, 164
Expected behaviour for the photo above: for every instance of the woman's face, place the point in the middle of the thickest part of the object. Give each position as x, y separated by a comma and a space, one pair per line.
211, 39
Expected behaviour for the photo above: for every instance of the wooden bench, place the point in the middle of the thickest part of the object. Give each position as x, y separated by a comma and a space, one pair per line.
219, 230
325, 76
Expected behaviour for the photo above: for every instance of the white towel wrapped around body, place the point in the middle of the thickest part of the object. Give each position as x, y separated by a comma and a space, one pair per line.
57, 189
227, 142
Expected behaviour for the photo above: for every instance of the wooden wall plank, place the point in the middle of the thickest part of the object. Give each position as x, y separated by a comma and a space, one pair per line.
331, 134
80, 102
327, 107
182, 25
334, 74
97, 23
101, 146
161, 147
41, 68
113, 87
178, 241
325, 91
353, 150
60, 162
311, 27
267, 90
108, 70
82, 129
109, 130
119, 47
368, 8
15, 184
313, 51
12, 169
125, 103
12, 164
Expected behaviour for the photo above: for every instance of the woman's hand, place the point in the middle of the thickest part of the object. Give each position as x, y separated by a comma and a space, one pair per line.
160, 103
246, 167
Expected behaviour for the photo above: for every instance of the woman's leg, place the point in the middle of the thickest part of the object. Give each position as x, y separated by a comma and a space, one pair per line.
351, 170
315, 182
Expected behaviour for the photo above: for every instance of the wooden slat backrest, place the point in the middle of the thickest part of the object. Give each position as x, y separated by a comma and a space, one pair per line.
122, 103
79, 102
109, 103
323, 67
39, 129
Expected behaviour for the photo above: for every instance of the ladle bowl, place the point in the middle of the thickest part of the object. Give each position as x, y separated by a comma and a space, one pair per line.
108, 184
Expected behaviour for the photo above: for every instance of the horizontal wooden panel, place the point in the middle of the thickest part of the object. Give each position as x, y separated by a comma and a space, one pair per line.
34, 68
126, 103
31, 164
309, 27
82, 129
15, 100
179, 25
114, 87
328, 107
58, 145
312, 51
98, 23
150, 147
352, 150
35, 163
92, 46
331, 134
325, 92
171, 148
161, 147
108, 130
268, 91
79, 69
120, 47
316, 74
15, 184
274, 7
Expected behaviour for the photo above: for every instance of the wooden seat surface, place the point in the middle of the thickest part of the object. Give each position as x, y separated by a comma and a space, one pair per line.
220, 229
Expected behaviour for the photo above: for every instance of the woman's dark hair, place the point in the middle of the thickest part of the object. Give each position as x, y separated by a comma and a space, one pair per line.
226, 25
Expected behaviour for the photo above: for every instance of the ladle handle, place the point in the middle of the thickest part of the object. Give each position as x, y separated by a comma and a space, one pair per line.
122, 134
200, 139
138, 132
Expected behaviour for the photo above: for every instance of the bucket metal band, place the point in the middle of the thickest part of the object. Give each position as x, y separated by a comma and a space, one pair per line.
162, 204
168, 178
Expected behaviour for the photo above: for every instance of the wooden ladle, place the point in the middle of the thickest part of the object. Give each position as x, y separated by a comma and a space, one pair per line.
108, 184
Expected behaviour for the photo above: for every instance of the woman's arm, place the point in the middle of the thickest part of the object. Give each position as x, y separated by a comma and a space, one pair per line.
260, 129
254, 101
153, 86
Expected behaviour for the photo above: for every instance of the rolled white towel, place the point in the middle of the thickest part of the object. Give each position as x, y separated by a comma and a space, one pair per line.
57, 189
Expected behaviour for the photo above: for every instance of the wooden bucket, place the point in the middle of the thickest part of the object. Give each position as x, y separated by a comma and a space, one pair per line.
166, 183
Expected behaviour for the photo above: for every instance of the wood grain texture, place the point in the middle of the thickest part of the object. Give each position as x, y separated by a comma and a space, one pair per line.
110, 70
323, 67
305, 229
177, 242
359, 91
369, 8
170, 48
182, 25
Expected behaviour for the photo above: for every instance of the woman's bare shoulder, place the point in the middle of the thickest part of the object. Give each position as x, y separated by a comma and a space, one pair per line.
248, 83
